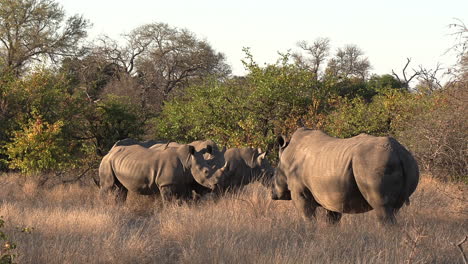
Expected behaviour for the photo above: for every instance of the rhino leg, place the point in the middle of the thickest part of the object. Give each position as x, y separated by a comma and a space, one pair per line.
175, 192
333, 217
305, 203
112, 186
386, 214
120, 194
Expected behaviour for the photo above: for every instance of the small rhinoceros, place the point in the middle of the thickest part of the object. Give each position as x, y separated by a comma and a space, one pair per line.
242, 166
174, 172
352, 175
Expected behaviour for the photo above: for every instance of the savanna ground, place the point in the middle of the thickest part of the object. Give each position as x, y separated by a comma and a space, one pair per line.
72, 225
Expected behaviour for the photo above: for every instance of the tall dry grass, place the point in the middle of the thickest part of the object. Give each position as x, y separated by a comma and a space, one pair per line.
71, 225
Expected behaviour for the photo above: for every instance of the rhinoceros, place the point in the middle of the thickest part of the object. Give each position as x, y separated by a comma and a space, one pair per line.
242, 166
173, 172
352, 175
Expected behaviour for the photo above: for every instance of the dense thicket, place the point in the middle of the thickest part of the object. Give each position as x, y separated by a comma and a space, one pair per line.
163, 82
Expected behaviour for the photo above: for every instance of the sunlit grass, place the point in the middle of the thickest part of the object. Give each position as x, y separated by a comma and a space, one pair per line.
71, 225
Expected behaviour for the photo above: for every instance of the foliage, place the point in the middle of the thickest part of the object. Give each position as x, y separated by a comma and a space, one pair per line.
112, 119
40, 97
49, 126
39, 146
239, 112
437, 134
380, 117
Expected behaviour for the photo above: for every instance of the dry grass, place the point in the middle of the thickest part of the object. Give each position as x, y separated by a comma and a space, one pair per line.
71, 225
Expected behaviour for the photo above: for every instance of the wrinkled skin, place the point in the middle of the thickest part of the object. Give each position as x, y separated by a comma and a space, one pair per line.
242, 166
353, 175
173, 172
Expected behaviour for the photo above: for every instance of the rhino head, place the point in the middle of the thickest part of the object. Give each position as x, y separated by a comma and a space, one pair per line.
200, 169
264, 169
280, 189
241, 170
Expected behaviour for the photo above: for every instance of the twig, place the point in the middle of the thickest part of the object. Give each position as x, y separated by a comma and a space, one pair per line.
460, 248
77, 178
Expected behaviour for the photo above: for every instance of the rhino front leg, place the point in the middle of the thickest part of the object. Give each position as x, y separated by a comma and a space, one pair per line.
305, 203
333, 217
175, 192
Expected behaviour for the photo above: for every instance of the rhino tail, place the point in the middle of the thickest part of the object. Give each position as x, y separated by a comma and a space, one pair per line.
96, 181
410, 172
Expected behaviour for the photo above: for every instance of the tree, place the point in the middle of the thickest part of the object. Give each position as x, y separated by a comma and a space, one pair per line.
349, 62
164, 59
318, 53
35, 30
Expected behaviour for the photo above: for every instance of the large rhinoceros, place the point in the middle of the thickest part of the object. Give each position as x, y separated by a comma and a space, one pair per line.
174, 172
242, 166
353, 175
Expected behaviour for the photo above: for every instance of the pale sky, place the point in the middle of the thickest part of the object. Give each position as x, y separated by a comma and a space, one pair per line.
387, 31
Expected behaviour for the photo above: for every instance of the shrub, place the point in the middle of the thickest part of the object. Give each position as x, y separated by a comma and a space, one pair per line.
438, 135
39, 146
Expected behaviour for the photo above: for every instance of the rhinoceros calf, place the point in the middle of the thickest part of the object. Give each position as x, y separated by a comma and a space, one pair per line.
353, 175
242, 166
173, 172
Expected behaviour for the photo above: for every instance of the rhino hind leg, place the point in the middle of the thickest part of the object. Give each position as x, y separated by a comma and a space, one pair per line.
120, 194
333, 217
305, 203
110, 185
386, 214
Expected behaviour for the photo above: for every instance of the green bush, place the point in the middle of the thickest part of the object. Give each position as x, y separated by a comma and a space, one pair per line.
239, 112
382, 116
39, 147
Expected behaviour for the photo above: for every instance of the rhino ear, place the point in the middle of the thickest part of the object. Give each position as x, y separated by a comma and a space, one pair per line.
191, 150
281, 141
186, 152
209, 149
261, 157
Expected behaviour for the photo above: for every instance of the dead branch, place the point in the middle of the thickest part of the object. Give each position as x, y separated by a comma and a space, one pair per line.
405, 82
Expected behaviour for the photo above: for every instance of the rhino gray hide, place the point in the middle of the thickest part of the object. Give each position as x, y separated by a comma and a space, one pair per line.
174, 172
242, 166
353, 175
